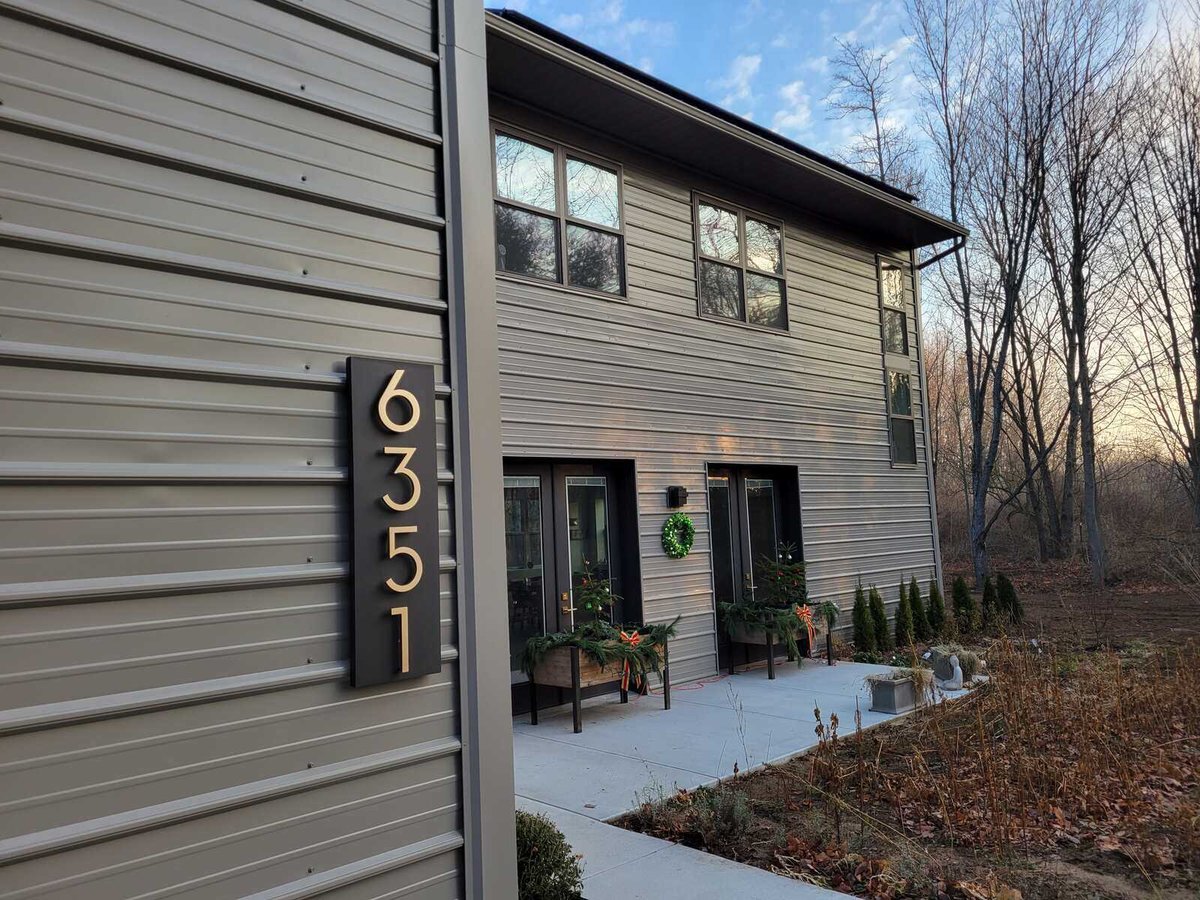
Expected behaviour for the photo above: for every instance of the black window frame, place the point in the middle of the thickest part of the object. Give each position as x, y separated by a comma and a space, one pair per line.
562, 152
742, 266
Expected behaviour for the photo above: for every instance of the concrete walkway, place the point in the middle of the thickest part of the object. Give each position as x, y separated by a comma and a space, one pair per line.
638, 751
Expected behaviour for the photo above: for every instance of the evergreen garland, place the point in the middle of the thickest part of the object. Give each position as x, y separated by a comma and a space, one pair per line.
864, 625
921, 629
879, 619
965, 611
936, 612
904, 619
601, 643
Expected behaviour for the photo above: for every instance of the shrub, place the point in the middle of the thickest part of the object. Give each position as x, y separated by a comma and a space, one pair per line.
904, 620
936, 611
965, 611
879, 619
991, 603
921, 629
864, 627
546, 867
1010, 603
719, 815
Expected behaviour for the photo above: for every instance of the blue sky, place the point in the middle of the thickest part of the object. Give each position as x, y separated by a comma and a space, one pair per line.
767, 60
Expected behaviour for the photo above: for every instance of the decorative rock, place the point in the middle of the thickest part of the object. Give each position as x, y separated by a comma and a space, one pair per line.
943, 668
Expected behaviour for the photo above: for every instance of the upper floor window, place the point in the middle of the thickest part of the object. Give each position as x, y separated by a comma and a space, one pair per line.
549, 198
740, 265
893, 308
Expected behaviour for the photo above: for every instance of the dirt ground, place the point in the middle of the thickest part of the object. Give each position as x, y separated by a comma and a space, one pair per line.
1126, 829
1061, 604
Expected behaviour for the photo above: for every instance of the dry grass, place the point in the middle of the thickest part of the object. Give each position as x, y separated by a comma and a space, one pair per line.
1067, 776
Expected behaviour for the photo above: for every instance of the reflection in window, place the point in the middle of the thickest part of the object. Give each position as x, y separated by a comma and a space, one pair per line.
763, 247
895, 331
900, 418
525, 173
720, 290
587, 527
721, 536
719, 234
526, 243
760, 511
588, 229
892, 285
740, 267
523, 551
594, 259
593, 194
764, 301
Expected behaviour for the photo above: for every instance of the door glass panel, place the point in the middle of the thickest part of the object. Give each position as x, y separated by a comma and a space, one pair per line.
587, 528
760, 511
724, 579
523, 547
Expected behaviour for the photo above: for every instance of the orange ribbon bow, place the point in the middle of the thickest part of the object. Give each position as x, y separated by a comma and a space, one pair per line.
804, 614
632, 640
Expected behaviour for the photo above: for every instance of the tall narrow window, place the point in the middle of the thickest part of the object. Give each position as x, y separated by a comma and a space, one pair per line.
892, 307
900, 415
739, 266
552, 203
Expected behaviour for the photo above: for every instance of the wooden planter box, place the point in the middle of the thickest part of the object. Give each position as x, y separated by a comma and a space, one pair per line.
760, 638
893, 695
568, 667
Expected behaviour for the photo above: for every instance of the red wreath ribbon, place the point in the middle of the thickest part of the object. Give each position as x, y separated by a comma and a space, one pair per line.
804, 614
632, 640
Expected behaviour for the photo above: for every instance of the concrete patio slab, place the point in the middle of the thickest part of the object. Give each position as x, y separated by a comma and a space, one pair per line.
637, 750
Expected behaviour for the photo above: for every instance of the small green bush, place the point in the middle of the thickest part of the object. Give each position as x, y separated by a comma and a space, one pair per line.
720, 815
547, 869
864, 627
991, 603
904, 620
879, 619
936, 611
1010, 603
965, 612
921, 629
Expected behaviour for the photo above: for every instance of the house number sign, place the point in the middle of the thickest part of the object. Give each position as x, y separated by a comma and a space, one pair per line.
396, 627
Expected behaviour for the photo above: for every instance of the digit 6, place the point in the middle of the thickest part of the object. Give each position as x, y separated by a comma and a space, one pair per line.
392, 392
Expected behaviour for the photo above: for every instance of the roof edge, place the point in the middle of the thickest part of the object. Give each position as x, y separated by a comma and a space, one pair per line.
541, 38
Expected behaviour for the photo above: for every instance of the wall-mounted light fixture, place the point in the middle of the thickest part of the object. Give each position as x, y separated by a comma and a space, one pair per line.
676, 496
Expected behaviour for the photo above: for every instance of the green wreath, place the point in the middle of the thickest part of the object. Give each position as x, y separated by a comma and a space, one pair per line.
678, 534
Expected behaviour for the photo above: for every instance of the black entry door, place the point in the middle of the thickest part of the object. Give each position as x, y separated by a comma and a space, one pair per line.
753, 513
561, 520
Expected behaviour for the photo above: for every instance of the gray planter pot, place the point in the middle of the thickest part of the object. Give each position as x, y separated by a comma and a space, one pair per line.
892, 695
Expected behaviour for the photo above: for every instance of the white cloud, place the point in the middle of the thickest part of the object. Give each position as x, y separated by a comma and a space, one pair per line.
794, 117
737, 83
605, 26
781, 41
569, 22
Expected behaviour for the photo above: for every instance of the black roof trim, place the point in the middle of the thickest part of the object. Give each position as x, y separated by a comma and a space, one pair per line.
713, 109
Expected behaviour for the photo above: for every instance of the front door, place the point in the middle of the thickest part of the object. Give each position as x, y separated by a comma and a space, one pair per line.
751, 515
560, 523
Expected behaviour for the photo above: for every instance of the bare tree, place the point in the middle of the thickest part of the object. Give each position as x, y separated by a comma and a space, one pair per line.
1094, 47
862, 88
1164, 232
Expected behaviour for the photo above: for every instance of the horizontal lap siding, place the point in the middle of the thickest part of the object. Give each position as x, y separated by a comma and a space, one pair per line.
648, 379
204, 209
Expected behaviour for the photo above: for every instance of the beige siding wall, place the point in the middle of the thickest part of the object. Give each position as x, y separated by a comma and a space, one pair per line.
204, 208
647, 379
